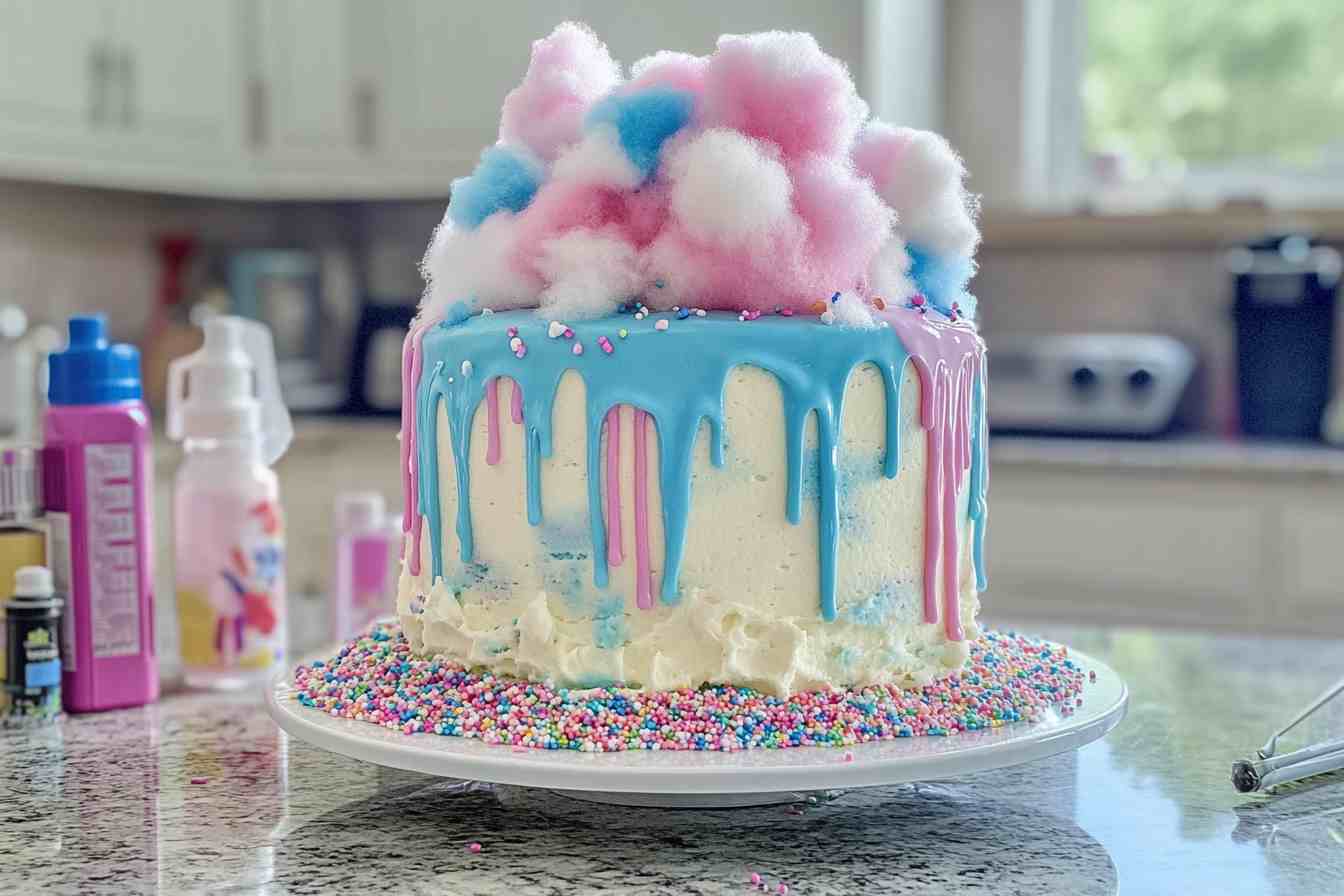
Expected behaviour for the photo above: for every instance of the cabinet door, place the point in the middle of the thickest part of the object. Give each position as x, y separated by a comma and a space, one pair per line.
182, 79
444, 72
50, 62
303, 62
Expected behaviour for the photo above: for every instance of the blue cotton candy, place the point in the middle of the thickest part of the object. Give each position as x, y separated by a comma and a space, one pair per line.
942, 279
644, 119
457, 313
505, 178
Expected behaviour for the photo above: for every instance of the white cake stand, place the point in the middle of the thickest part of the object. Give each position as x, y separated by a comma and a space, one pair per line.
710, 779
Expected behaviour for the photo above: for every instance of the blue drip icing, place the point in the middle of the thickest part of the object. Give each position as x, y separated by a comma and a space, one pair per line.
595, 481
427, 484
978, 506
637, 374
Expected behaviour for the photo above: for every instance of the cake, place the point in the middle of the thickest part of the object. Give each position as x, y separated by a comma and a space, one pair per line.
695, 394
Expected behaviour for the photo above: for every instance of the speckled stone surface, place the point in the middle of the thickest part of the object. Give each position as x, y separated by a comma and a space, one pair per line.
107, 804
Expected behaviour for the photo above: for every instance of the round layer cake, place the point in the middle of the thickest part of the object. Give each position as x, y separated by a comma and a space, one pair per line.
774, 503
695, 394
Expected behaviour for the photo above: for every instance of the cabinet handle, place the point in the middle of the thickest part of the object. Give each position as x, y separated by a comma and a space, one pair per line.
257, 113
366, 116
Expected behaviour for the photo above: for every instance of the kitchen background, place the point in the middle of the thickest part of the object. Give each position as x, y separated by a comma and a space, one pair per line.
290, 158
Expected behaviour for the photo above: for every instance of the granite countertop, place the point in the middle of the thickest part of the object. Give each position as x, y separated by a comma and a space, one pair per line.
203, 793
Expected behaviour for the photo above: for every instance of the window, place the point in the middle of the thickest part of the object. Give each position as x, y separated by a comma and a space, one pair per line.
1196, 101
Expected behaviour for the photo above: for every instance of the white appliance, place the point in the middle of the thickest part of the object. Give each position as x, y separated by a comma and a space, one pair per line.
1123, 384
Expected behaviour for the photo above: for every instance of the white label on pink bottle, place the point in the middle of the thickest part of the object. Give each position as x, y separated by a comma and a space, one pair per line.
58, 561
114, 573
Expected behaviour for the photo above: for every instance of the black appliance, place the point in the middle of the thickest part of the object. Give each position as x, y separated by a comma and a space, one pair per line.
1286, 288
375, 362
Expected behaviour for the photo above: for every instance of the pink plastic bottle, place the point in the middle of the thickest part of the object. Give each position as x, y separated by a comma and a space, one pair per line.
97, 475
364, 548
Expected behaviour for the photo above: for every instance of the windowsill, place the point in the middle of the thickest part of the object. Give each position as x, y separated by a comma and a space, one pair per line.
1015, 229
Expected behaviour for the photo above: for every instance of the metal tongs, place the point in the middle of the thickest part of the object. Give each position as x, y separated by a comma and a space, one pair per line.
1270, 769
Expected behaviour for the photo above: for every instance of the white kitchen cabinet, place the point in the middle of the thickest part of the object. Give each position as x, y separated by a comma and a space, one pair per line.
427, 117
1150, 535
54, 73
301, 77
176, 122
120, 94
271, 99
180, 63
442, 70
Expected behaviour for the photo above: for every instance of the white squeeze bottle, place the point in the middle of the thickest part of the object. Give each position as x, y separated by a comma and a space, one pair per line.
224, 405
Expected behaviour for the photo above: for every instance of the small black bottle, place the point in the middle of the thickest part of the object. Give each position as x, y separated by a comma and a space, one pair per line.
32, 649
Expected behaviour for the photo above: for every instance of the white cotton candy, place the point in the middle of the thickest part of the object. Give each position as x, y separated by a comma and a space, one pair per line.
599, 160
587, 273
476, 267
850, 311
889, 273
726, 188
921, 176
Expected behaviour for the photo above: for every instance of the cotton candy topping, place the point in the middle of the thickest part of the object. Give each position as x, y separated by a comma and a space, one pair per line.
748, 180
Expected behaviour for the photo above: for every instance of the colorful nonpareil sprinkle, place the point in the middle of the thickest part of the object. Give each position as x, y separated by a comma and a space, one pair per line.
375, 678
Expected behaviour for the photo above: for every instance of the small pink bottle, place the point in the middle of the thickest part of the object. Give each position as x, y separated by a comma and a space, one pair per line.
365, 539
97, 478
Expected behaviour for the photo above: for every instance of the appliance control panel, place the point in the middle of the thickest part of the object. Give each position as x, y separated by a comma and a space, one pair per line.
1118, 383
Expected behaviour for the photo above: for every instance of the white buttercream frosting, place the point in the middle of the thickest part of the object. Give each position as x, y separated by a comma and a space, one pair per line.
748, 613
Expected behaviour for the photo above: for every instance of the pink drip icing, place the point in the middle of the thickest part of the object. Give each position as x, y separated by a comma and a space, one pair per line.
643, 579
516, 406
492, 421
933, 486
947, 357
614, 555
412, 366
407, 431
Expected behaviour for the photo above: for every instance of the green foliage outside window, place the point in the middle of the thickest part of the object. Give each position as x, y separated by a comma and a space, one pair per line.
1213, 81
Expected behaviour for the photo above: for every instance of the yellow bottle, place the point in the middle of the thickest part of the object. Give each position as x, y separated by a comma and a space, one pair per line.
23, 536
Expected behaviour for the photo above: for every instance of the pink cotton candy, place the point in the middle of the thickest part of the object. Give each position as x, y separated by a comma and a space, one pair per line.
730, 278
774, 194
569, 70
565, 205
646, 212
680, 71
847, 221
878, 149
781, 87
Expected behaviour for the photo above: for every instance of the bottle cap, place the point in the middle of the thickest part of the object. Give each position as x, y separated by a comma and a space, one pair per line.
91, 370
359, 511
33, 581
20, 483
230, 388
